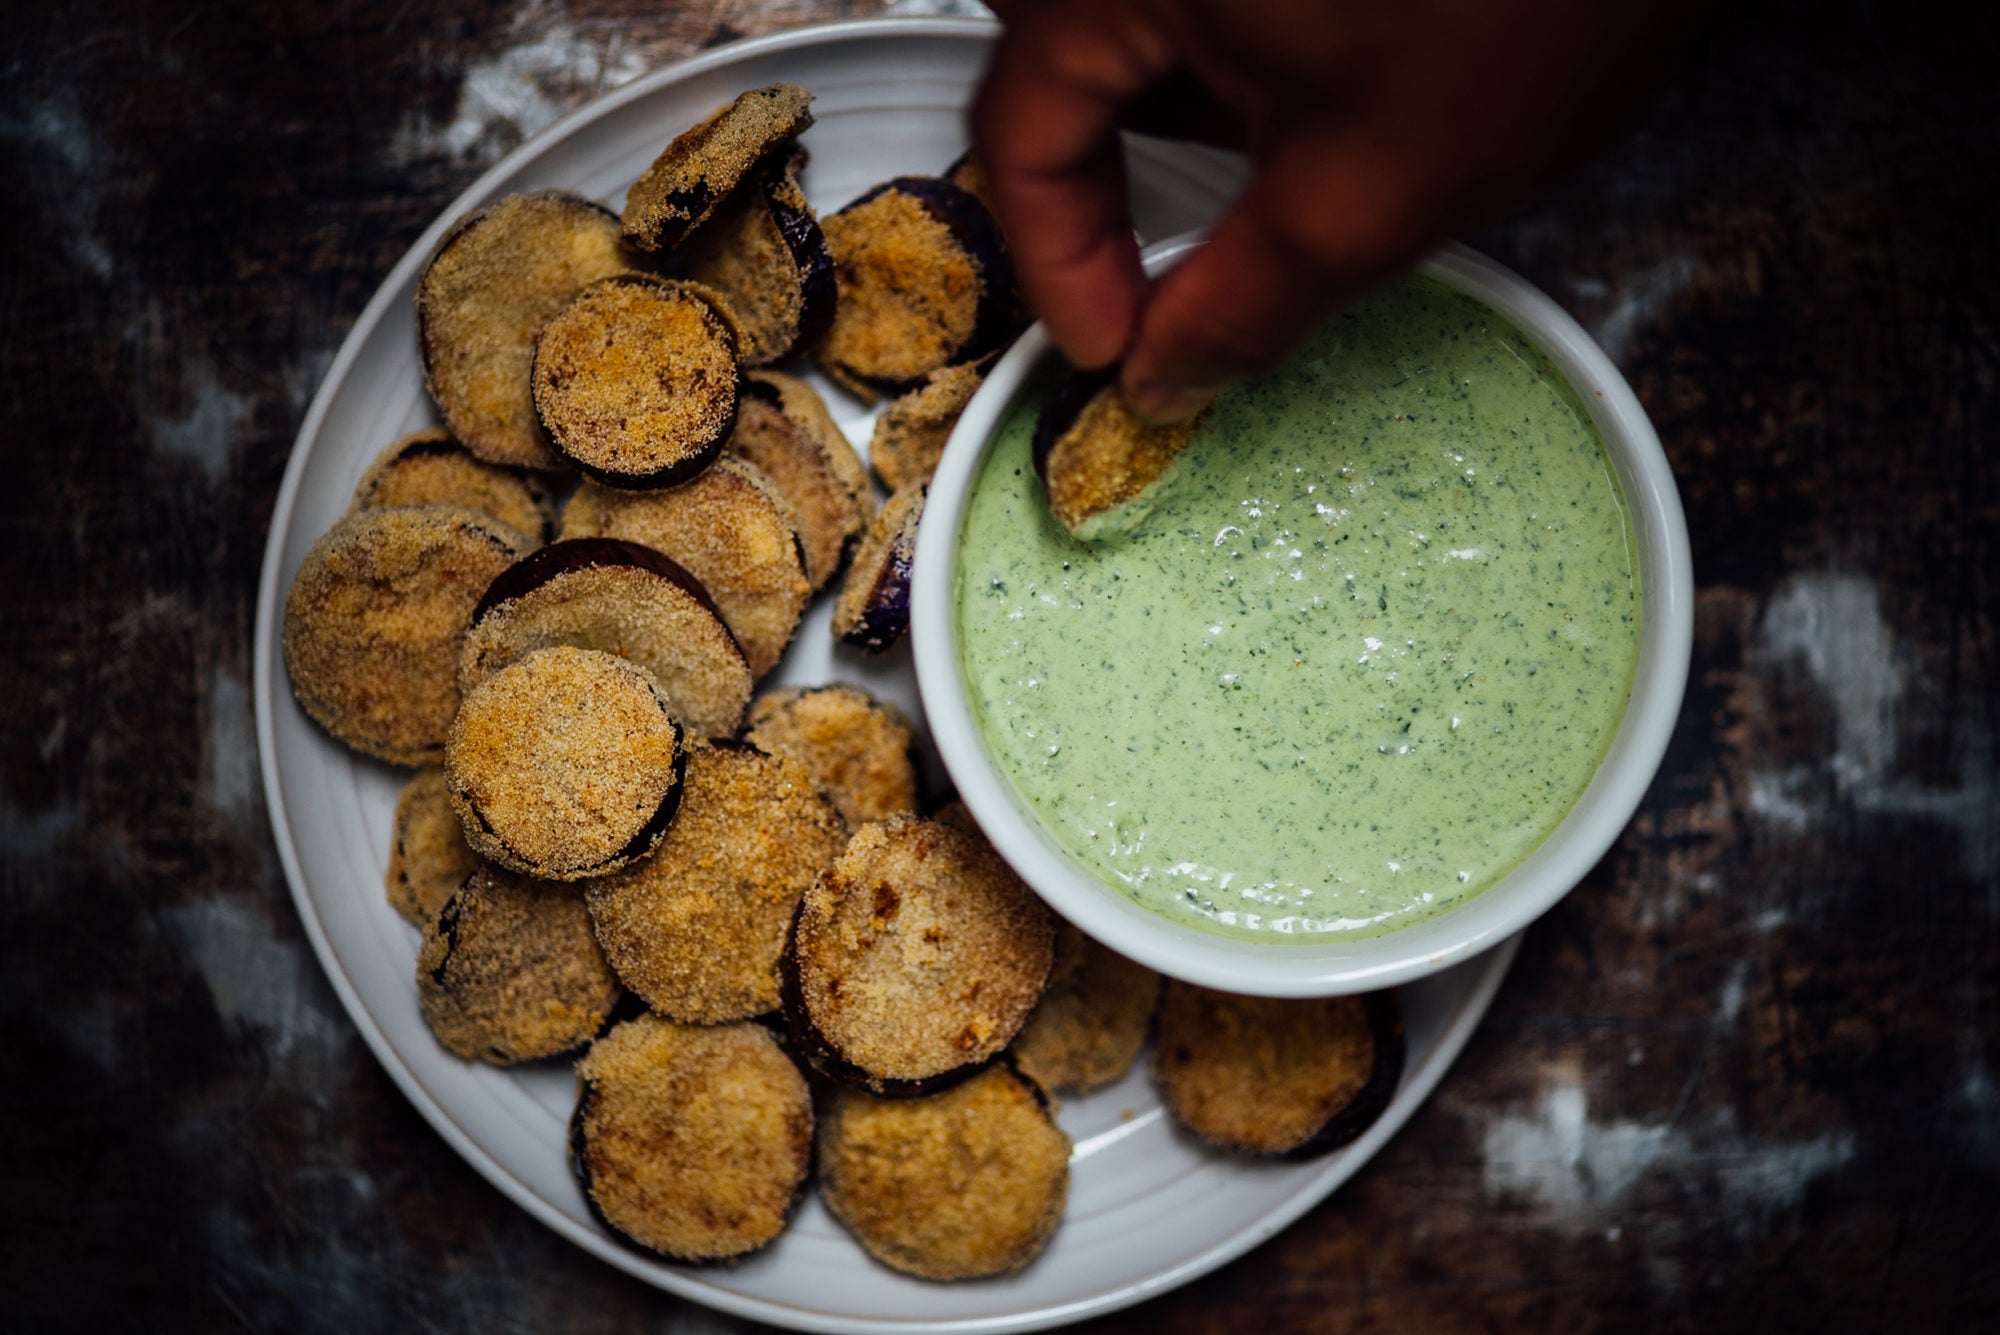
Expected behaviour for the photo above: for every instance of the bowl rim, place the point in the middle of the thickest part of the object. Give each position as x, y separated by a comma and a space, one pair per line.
1295, 968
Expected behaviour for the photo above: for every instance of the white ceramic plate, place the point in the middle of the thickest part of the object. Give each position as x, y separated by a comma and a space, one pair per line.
1148, 1209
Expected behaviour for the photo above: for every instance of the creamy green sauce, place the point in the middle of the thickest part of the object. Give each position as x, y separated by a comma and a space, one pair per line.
1363, 651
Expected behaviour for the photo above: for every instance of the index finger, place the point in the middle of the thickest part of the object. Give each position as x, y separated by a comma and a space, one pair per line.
1045, 127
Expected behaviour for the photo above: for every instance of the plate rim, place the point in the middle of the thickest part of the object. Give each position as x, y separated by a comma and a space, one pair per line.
1418, 1085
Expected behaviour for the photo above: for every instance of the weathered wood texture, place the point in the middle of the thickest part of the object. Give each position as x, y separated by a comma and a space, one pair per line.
1746, 1078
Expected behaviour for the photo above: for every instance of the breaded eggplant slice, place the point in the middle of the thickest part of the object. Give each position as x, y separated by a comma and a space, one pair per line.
959, 1185
428, 856
731, 530
704, 165
565, 764
911, 433
692, 1142
635, 381
924, 281
1093, 1019
509, 971
1093, 455
874, 607
763, 253
696, 929
856, 747
1272, 1076
915, 959
431, 468
375, 619
783, 427
623, 598
494, 280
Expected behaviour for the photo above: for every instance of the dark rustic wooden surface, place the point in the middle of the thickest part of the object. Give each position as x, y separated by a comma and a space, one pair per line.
1746, 1078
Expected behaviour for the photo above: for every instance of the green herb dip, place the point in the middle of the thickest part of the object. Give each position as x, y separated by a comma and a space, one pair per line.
1362, 652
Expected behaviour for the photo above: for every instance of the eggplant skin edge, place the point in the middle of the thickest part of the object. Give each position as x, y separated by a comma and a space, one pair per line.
977, 233
810, 1043
819, 295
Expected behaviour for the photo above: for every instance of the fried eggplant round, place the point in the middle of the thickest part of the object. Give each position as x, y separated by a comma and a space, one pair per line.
856, 747
703, 166
565, 764
1091, 1023
696, 929
494, 280
428, 856
915, 959
1093, 455
375, 619
1276, 1077
731, 530
625, 599
635, 381
509, 971
691, 1142
783, 427
764, 254
959, 1185
910, 434
873, 611
430, 467
924, 281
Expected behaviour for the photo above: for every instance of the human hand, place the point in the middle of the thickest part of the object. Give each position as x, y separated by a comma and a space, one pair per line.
1373, 129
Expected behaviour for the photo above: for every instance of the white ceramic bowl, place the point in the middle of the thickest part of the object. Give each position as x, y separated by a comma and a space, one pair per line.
1294, 967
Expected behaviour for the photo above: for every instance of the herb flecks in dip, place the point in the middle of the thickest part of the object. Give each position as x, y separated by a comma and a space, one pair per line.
1364, 650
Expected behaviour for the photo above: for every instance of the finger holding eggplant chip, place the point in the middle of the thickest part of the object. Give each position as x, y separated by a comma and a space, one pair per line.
1096, 458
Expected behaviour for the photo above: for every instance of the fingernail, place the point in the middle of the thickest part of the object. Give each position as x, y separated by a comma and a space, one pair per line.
1165, 404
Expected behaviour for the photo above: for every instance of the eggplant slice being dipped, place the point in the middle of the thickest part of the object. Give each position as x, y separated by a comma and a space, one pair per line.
1094, 456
